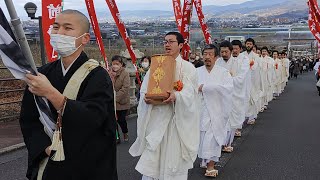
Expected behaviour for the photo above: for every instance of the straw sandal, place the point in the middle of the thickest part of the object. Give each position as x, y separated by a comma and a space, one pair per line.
211, 173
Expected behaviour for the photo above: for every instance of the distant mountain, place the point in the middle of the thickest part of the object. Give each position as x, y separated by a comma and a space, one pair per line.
241, 8
147, 13
264, 8
294, 14
257, 7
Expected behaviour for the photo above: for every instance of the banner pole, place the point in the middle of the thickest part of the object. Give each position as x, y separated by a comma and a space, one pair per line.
21, 37
43, 56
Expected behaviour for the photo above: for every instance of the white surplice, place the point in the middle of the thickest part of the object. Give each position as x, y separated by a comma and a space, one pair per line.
265, 71
168, 136
257, 87
270, 78
285, 72
216, 103
287, 65
278, 78
239, 69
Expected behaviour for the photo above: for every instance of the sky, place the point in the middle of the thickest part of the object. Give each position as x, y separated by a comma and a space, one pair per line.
122, 5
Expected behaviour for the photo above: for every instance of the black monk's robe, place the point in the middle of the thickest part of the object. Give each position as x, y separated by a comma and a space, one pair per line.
88, 127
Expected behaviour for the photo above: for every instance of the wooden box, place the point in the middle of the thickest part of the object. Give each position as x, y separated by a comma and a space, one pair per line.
161, 79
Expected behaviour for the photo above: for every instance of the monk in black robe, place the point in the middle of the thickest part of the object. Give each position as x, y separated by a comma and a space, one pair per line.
89, 124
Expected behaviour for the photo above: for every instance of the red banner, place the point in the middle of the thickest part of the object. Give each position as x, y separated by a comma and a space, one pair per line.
313, 20
177, 13
50, 10
315, 8
185, 28
123, 32
96, 29
204, 27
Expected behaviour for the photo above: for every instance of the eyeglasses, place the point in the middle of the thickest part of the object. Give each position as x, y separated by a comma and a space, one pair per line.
168, 42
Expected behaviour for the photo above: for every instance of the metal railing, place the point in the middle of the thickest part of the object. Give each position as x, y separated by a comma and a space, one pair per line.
10, 98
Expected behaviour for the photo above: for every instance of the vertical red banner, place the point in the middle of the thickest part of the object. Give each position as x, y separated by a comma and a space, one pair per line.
204, 27
50, 10
123, 32
96, 29
315, 8
177, 13
185, 28
187, 14
313, 20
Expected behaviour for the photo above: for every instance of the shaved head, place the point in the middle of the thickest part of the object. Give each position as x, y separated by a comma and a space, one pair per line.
75, 24
83, 20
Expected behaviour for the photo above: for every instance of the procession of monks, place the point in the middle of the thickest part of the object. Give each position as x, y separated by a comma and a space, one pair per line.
199, 118
257, 76
232, 87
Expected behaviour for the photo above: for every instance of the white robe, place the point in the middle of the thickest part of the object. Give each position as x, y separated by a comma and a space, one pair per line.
256, 91
265, 68
287, 65
168, 136
285, 72
215, 110
271, 78
239, 68
278, 73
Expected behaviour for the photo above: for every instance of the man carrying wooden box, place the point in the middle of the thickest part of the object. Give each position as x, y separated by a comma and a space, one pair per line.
168, 116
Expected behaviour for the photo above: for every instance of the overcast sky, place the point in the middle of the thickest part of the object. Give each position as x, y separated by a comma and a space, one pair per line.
122, 4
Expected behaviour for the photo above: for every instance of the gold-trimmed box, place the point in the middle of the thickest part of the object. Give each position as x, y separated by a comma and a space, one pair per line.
161, 78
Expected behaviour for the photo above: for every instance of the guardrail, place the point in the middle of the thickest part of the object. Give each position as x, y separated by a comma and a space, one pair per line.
11, 91
11, 97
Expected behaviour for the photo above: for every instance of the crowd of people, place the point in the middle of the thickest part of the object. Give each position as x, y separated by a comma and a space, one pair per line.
301, 65
216, 93
230, 85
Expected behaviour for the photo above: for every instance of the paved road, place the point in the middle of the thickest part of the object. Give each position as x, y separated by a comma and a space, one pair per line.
10, 134
282, 145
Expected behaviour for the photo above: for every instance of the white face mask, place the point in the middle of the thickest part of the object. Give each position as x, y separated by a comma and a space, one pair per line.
197, 58
64, 45
145, 64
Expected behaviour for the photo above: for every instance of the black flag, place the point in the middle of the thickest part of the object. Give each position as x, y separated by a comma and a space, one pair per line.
13, 58
10, 51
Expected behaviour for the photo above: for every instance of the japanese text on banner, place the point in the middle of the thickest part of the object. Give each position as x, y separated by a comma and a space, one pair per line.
50, 10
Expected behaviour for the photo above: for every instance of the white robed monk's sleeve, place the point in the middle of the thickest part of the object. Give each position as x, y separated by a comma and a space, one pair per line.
187, 115
143, 111
256, 86
256, 90
272, 69
278, 73
237, 115
217, 95
283, 72
152, 123
262, 83
240, 77
184, 113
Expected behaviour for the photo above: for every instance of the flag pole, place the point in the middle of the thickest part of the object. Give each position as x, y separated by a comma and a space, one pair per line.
21, 37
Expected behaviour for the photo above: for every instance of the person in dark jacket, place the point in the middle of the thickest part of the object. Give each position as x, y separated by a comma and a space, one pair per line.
88, 122
121, 84
291, 67
296, 69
